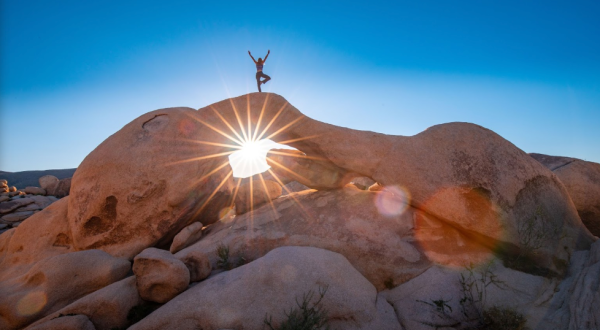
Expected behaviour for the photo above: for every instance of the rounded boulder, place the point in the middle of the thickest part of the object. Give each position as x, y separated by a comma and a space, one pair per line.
159, 275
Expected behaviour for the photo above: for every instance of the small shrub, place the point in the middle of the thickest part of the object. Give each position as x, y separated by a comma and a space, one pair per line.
474, 314
306, 316
226, 261
223, 254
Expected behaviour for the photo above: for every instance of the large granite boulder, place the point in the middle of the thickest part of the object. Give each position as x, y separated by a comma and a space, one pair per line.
270, 287
54, 283
582, 180
462, 177
146, 182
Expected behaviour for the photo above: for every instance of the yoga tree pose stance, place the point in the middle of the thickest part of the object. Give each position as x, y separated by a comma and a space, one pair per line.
259, 68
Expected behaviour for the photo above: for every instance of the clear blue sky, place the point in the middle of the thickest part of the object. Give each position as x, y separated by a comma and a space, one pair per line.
74, 72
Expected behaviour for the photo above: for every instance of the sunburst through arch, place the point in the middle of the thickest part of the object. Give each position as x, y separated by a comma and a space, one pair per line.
244, 144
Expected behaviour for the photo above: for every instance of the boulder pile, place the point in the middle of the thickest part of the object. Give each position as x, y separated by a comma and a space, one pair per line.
454, 227
16, 205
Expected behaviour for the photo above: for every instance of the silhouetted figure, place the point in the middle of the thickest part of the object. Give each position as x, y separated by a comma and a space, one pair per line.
259, 68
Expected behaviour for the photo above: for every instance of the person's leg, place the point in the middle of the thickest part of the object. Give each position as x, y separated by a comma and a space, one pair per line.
258, 82
267, 78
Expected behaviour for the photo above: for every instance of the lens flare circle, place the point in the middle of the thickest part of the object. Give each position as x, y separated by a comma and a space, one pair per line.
32, 303
392, 201
458, 227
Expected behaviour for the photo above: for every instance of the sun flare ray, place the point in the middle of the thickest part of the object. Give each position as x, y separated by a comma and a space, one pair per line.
298, 139
239, 120
213, 193
271, 122
249, 115
262, 112
285, 127
213, 144
288, 170
217, 130
266, 192
290, 193
200, 158
296, 155
229, 126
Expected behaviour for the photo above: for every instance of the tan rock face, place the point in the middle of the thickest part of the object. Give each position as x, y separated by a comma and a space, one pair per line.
582, 180
186, 237
146, 182
255, 194
270, 286
317, 173
293, 187
159, 275
363, 183
55, 282
106, 308
382, 248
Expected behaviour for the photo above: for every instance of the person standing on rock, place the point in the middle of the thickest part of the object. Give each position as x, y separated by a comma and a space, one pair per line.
259, 68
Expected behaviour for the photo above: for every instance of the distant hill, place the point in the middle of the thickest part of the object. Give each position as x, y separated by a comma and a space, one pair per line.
30, 178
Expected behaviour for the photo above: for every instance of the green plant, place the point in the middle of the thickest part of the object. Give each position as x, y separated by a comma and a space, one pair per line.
307, 316
473, 287
223, 254
226, 261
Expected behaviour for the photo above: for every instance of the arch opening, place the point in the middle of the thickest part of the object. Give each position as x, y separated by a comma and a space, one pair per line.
251, 159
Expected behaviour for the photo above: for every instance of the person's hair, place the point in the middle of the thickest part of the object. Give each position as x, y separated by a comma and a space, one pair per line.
259, 59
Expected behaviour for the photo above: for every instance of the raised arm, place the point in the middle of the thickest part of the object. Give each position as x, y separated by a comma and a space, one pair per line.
269, 52
253, 57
